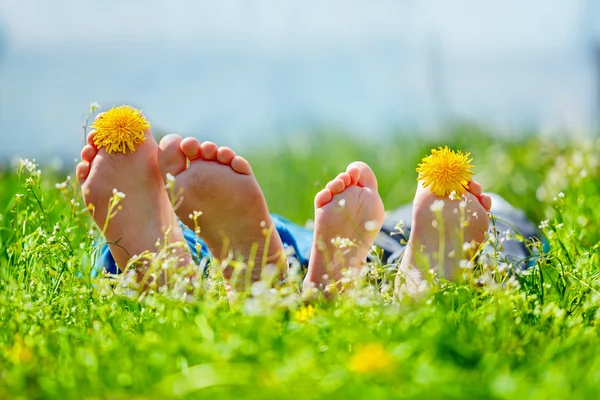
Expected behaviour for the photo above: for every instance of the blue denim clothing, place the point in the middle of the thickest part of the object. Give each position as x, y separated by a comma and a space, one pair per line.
293, 236
503, 218
390, 239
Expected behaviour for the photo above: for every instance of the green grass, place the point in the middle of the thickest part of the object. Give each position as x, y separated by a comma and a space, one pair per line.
64, 335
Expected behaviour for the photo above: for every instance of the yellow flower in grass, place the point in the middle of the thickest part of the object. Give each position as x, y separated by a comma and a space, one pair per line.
120, 129
371, 358
446, 171
304, 313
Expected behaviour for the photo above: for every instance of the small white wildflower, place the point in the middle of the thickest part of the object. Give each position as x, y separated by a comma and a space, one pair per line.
453, 195
30, 166
559, 226
400, 225
485, 259
502, 267
468, 246
170, 181
434, 223
462, 204
342, 243
583, 173
437, 205
63, 185
466, 264
195, 214
118, 195
544, 224
561, 195
94, 106
342, 203
263, 224
371, 226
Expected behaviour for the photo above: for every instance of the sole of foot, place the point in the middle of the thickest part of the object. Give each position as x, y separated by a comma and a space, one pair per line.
445, 233
219, 195
348, 215
126, 197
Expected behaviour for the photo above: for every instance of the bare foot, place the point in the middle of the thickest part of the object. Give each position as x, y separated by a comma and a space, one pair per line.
144, 215
349, 208
235, 221
460, 222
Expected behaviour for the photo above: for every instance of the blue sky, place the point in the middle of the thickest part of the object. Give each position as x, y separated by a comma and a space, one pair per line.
230, 70
466, 25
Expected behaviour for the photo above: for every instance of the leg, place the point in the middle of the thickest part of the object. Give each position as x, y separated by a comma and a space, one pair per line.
144, 215
348, 208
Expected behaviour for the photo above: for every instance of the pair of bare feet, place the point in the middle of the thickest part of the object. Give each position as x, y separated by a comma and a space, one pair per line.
235, 222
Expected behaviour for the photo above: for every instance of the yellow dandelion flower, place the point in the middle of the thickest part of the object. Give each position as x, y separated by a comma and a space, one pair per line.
304, 313
120, 129
446, 171
20, 353
371, 358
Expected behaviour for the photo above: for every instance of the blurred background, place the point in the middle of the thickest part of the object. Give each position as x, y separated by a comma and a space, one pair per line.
251, 72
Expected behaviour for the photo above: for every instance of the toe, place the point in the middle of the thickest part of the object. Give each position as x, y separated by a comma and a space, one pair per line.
209, 150
100, 115
345, 177
170, 157
474, 188
90, 138
190, 147
241, 166
367, 176
83, 170
353, 173
170, 141
225, 155
486, 202
88, 153
336, 186
323, 197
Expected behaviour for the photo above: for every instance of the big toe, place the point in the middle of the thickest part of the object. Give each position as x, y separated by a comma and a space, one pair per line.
170, 157
363, 174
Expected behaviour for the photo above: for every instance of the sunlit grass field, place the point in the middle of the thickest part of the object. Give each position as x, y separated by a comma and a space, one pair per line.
65, 335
